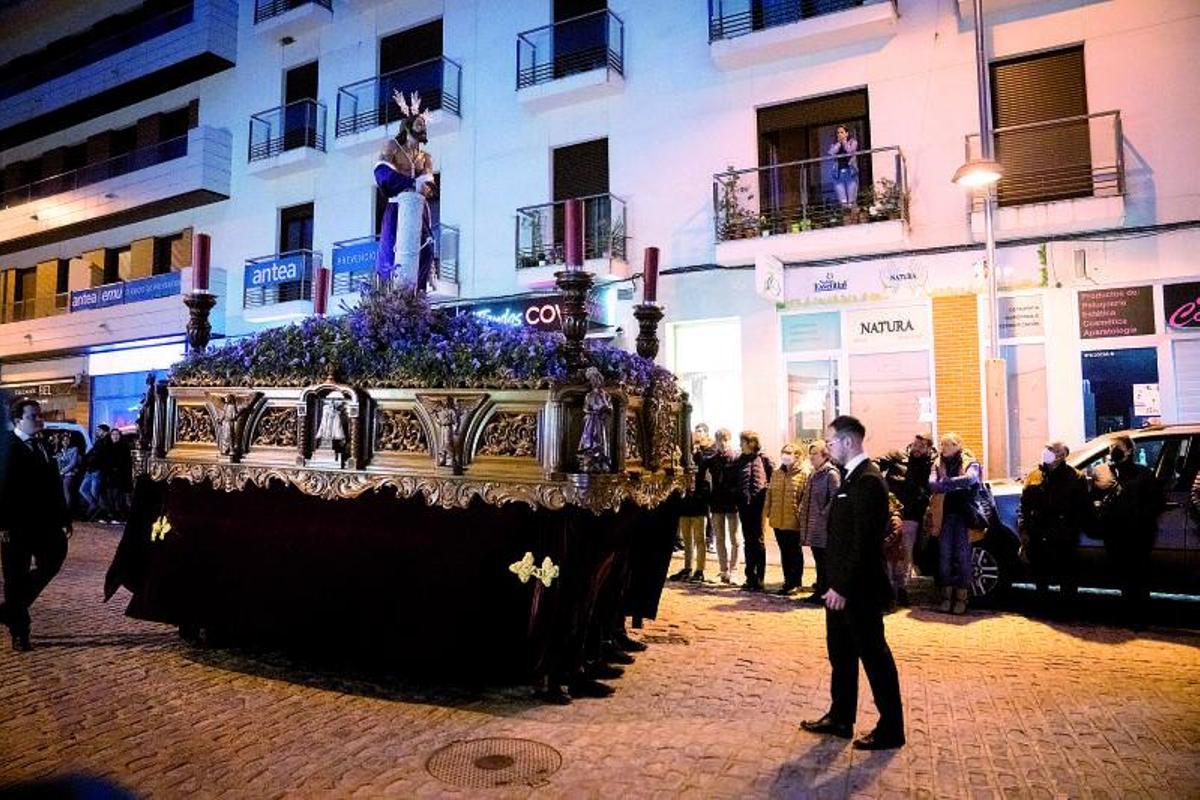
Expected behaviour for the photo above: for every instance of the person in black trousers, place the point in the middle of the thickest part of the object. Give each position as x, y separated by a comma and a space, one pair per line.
859, 592
753, 471
34, 520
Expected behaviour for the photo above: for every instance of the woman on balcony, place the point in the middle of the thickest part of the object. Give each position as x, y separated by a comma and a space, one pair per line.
845, 171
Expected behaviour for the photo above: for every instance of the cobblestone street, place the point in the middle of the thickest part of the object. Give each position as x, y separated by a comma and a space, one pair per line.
997, 705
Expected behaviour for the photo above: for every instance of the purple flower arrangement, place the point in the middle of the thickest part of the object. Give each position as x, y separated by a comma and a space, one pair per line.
395, 339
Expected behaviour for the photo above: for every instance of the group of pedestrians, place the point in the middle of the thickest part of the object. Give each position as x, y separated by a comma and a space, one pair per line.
95, 484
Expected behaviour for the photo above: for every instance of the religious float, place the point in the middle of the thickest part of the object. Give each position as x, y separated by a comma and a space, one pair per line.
443, 491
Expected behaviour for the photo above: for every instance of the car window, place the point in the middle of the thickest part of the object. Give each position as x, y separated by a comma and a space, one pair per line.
1146, 451
1178, 469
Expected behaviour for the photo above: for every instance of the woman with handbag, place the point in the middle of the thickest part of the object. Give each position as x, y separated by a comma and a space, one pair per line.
954, 483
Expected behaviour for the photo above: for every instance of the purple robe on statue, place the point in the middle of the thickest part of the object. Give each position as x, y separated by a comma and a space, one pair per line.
391, 183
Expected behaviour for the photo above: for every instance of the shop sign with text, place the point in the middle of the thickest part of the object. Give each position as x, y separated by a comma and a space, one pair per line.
1021, 316
883, 329
1181, 306
1116, 312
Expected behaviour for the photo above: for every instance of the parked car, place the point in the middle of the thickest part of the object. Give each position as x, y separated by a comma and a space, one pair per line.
1173, 453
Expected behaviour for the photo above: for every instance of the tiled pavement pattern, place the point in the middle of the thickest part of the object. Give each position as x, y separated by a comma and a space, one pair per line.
998, 706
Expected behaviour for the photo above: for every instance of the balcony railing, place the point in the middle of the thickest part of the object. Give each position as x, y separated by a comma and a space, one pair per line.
368, 103
1060, 159
280, 278
582, 44
354, 259
728, 19
19, 311
25, 72
289, 127
94, 173
829, 192
266, 9
541, 229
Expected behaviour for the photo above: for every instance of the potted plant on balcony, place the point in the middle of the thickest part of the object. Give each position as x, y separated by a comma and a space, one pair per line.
765, 226
734, 219
800, 225
888, 201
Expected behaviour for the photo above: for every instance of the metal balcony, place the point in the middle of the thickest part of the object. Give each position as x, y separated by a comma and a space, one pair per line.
269, 9
368, 103
585, 43
90, 174
1059, 159
540, 234
280, 278
289, 127
813, 194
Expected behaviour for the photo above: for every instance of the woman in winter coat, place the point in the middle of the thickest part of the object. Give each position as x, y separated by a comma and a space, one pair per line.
753, 470
815, 501
783, 502
954, 483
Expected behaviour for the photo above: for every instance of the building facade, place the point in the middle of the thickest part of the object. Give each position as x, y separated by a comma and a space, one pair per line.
804, 274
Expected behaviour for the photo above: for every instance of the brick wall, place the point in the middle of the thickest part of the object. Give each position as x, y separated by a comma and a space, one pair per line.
957, 366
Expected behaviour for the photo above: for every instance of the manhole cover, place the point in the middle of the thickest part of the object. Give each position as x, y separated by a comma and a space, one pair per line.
490, 763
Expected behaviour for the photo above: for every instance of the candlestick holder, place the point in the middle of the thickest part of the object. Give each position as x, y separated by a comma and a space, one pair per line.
198, 327
574, 285
648, 316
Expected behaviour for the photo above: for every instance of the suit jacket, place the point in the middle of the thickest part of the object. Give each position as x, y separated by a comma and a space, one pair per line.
858, 523
33, 496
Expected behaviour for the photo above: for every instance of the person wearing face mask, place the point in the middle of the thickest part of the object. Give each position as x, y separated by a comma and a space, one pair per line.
753, 470
1054, 509
954, 481
1127, 513
782, 510
815, 502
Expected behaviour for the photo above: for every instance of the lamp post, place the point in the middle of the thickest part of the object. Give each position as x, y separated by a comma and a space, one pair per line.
981, 174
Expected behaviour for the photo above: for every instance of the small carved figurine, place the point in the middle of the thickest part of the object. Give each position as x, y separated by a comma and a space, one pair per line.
448, 416
595, 451
331, 432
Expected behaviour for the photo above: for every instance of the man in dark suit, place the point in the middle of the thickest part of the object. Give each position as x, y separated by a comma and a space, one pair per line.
34, 520
859, 592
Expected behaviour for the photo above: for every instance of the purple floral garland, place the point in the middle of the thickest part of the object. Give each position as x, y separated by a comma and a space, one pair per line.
395, 339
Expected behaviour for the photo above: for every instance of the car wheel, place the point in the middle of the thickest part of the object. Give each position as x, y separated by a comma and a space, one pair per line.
989, 579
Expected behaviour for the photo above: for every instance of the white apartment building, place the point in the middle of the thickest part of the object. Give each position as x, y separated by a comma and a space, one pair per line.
701, 127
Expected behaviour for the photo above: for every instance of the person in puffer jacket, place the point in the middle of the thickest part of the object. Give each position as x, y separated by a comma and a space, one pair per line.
753, 471
783, 501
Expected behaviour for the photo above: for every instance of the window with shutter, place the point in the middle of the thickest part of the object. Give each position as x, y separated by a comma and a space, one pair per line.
581, 170
1039, 108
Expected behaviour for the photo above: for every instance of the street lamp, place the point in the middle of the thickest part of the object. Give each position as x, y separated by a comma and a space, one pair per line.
981, 174
978, 173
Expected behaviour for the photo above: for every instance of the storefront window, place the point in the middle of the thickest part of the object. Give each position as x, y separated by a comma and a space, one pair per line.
1120, 390
707, 357
812, 397
116, 398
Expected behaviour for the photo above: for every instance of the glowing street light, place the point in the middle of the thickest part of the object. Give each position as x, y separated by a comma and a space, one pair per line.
978, 173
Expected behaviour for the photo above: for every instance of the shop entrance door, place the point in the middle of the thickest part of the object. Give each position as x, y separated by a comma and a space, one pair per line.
888, 393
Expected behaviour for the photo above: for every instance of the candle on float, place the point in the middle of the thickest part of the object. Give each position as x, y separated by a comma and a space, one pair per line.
201, 253
321, 292
573, 244
650, 275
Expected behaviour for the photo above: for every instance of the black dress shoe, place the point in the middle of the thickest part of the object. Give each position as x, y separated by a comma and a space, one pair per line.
600, 671
830, 726
20, 643
583, 687
682, 575
622, 640
879, 740
615, 655
554, 695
